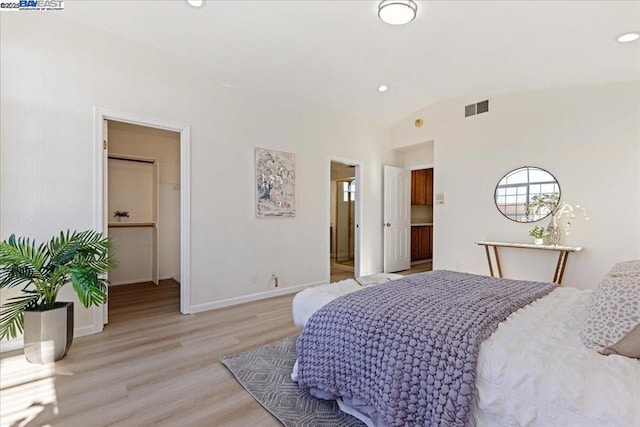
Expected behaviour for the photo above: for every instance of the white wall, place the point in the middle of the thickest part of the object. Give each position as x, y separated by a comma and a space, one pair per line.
418, 155
588, 137
54, 71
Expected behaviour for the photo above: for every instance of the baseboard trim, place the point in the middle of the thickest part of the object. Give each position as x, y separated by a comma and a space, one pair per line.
11, 345
128, 282
18, 343
142, 281
252, 297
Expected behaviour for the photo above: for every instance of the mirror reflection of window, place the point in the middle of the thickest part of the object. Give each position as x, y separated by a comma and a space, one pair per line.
515, 190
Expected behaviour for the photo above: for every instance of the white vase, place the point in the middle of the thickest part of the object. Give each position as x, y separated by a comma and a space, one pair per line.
538, 241
554, 232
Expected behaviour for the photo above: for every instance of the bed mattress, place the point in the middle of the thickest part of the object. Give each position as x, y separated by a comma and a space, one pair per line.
534, 370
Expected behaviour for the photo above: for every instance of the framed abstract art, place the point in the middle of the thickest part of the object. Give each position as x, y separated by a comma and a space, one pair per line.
275, 183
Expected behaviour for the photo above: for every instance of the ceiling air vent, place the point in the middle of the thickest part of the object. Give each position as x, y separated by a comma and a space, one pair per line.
482, 106
470, 110
478, 108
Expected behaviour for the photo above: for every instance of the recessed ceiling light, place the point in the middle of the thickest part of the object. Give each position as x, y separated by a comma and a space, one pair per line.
383, 88
397, 12
628, 37
196, 3
230, 86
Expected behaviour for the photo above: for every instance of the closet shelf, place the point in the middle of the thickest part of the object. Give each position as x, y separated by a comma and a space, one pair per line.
132, 224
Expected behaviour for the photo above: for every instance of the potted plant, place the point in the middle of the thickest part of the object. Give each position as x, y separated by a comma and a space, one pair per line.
562, 214
42, 270
121, 215
538, 233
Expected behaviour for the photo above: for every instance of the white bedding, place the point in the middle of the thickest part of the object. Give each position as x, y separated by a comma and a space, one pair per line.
307, 302
535, 371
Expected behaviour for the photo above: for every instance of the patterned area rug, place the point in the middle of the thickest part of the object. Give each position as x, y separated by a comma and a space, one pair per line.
265, 373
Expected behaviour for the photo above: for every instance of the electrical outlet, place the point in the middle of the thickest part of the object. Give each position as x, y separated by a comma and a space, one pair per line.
274, 279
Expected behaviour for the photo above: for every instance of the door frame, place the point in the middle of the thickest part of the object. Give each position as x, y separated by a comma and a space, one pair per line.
357, 253
100, 193
423, 166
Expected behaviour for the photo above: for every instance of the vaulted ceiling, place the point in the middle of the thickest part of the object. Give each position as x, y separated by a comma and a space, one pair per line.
337, 53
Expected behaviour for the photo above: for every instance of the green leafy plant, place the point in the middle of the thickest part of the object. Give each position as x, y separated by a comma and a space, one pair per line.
121, 214
538, 232
78, 257
545, 204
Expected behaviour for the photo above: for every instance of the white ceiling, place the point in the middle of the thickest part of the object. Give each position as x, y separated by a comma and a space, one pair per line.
337, 53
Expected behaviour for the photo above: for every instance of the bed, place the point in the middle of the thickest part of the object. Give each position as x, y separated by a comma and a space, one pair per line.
532, 369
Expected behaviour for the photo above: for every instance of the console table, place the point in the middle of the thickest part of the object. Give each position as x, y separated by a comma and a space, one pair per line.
560, 266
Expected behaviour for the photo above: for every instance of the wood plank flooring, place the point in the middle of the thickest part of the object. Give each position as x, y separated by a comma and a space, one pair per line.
150, 367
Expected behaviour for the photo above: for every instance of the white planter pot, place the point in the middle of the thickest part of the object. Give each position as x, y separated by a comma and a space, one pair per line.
48, 334
539, 241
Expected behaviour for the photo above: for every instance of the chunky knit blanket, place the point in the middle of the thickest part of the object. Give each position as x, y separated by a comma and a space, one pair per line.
408, 349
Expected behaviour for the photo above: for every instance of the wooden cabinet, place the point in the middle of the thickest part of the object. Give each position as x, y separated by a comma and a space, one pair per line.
422, 187
421, 242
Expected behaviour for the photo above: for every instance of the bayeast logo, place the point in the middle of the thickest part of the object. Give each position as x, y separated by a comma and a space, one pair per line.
33, 5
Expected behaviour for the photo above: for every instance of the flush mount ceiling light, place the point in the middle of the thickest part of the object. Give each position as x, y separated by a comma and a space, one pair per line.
383, 88
196, 3
628, 37
397, 12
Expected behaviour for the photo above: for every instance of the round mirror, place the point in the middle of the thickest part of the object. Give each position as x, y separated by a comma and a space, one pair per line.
527, 194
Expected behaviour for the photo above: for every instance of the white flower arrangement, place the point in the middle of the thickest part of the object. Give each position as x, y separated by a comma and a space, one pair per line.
563, 212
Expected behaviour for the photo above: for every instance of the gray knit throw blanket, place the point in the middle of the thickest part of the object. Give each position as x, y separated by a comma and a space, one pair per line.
408, 349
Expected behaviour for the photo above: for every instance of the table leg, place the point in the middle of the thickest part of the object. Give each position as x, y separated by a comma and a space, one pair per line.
563, 256
558, 265
495, 251
486, 249
564, 264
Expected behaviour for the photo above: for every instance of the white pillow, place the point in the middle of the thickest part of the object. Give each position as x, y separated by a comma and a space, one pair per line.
612, 325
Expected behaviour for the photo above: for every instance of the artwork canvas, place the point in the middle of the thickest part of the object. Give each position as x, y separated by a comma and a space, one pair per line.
275, 183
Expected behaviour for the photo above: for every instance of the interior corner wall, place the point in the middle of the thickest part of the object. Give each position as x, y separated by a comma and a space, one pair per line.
55, 71
587, 136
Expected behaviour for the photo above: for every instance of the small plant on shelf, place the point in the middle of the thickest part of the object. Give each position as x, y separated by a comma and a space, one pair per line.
121, 215
538, 232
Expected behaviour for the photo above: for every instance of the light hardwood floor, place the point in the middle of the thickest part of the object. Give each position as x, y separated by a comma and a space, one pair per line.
342, 272
150, 367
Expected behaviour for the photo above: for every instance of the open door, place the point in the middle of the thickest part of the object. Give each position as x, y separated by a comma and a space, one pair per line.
105, 205
397, 219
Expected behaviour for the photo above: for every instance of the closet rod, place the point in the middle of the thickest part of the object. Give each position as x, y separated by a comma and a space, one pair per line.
131, 160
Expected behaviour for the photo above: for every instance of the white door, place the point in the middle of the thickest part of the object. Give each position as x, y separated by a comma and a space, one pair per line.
105, 202
397, 219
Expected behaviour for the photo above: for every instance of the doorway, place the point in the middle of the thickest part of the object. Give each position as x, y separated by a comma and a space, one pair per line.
143, 202
101, 185
344, 225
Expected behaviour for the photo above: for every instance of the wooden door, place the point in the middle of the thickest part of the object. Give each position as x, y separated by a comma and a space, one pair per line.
415, 243
418, 187
428, 187
428, 242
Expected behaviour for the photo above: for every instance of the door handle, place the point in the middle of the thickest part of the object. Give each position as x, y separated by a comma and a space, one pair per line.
388, 224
